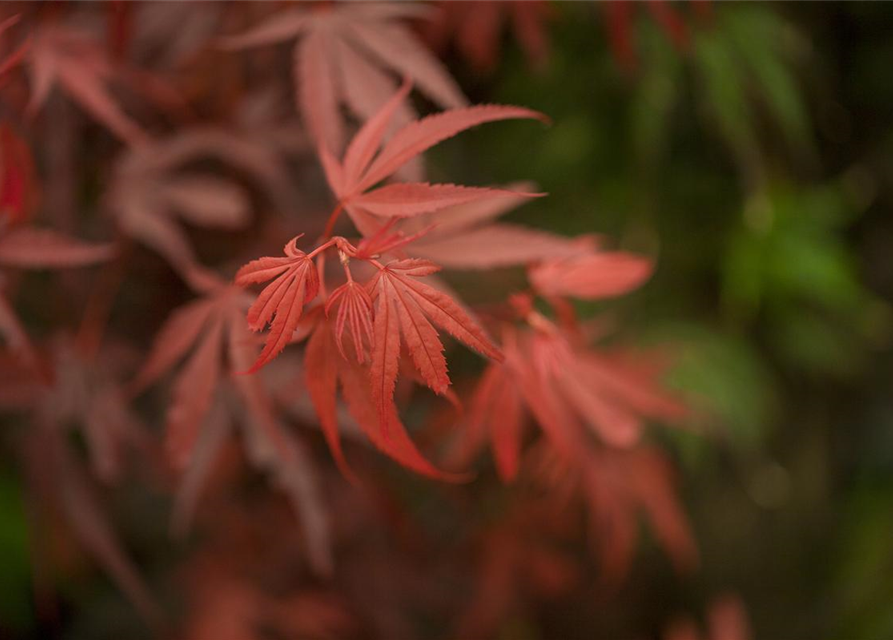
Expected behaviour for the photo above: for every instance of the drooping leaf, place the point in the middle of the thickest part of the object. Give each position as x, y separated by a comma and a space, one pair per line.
200, 415
406, 307
326, 371
321, 370
193, 394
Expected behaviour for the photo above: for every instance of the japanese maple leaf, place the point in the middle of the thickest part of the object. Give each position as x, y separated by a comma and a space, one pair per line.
405, 311
327, 371
465, 236
568, 390
295, 280
280, 304
87, 391
341, 57
34, 248
151, 189
476, 28
71, 59
364, 165
616, 486
496, 417
213, 327
726, 620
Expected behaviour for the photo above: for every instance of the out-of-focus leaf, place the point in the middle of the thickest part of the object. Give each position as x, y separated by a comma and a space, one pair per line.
723, 86
656, 93
760, 37
722, 378
745, 68
788, 266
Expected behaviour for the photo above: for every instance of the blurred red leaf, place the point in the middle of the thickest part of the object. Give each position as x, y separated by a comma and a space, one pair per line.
333, 65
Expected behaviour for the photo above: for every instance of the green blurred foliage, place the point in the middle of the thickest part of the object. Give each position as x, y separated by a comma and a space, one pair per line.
755, 166
789, 264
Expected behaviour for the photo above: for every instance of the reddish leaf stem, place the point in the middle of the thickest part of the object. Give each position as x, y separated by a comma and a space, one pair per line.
330, 223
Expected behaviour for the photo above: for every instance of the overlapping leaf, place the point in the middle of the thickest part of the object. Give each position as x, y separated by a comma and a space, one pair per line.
213, 329
150, 190
466, 236
341, 57
404, 313
364, 165
33, 248
616, 486
59, 55
566, 389
326, 371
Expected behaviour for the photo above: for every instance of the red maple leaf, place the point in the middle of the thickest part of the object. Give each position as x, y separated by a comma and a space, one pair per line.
568, 390
333, 65
295, 283
354, 311
406, 307
151, 189
214, 328
615, 486
364, 165
326, 371
71, 59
